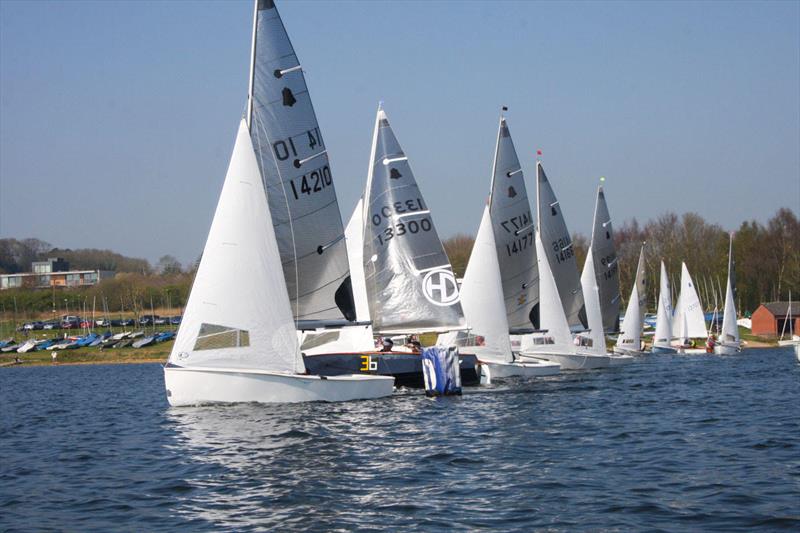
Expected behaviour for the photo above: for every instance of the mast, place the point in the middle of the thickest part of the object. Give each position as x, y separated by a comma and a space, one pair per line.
252, 67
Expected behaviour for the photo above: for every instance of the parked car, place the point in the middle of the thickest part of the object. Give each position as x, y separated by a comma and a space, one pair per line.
102, 322
51, 324
123, 322
30, 326
70, 322
161, 320
175, 320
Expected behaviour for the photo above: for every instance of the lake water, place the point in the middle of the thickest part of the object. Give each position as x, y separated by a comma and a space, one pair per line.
666, 443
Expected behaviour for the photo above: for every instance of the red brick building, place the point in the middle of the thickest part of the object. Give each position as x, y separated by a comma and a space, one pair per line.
770, 319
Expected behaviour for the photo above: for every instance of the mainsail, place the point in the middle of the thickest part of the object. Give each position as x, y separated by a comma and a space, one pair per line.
560, 253
293, 160
482, 295
513, 233
238, 313
688, 321
552, 316
664, 312
606, 269
730, 330
410, 283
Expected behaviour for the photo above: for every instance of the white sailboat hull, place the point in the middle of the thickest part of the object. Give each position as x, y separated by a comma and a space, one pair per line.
491, 371
200, 386
622, 359
569, 361
663, 350
619, 351
727, 349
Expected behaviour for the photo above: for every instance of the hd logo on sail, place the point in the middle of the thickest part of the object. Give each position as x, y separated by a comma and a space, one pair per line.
440, 287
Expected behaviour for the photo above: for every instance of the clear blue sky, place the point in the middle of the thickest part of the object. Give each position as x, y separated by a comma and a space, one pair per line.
117, 118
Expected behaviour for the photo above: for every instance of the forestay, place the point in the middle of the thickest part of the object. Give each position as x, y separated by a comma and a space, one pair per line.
410, 284
482, 295
238, 314
560, 252
292, 156
512, 224
604, 254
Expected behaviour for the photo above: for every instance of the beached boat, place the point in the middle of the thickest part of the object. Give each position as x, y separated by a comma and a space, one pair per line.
237, 341
729, 343
663, 333
629, 341
688, 321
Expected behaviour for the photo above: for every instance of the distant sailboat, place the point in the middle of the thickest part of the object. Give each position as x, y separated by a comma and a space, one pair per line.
729, 343
630, 337
688, 322
663, 333
237, 341
594, 341
501, 275
792, 339
555, 342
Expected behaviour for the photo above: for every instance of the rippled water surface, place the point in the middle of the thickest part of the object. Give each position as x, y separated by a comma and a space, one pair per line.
669, 442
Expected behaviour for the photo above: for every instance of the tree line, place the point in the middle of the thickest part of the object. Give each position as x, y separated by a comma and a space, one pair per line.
767, 267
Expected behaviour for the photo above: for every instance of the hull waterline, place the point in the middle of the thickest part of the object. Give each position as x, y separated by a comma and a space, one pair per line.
570, 361
200, 386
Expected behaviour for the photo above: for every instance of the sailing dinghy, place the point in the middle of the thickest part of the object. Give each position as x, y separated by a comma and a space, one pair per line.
274, 256
729, 342
688, 322
554, 341
604, 255
663, 333
401, 277
629, 341
500, 284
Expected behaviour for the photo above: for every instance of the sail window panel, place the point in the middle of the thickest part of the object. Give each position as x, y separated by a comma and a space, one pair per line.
313, 340
215, 337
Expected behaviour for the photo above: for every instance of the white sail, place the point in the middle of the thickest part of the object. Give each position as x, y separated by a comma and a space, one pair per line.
552, 318
482, 295
560, 253
513, 232
354, 235
293, 160
730, 330
238, 314
688, 321
663, 331
605, 263
410, 283
591, 297
630, 336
